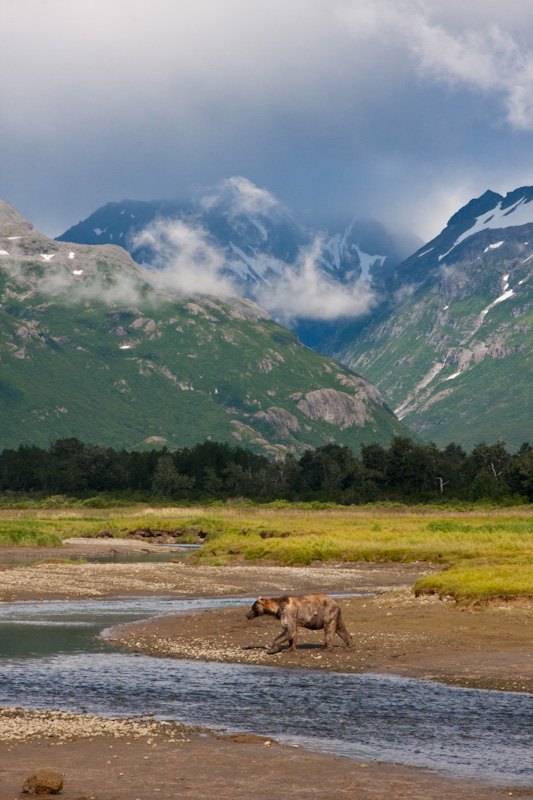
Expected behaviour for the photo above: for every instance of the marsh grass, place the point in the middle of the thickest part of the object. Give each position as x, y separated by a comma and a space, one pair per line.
483, 553
507, 579
48, 527
23, 533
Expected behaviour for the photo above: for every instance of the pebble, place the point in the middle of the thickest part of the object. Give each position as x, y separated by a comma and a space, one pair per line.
18, 724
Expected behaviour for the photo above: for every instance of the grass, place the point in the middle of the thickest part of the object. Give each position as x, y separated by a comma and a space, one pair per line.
483, 553
25, 535
508, 579
48, 527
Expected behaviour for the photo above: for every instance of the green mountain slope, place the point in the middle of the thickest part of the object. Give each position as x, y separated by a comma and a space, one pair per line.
94, 346
454, 355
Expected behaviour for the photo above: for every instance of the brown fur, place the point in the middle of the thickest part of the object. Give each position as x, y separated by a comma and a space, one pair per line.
313, 611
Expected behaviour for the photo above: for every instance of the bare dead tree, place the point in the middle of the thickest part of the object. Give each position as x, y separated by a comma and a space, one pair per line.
442, 484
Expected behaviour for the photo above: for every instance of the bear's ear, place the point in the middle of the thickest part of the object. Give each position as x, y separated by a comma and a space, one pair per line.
261, 598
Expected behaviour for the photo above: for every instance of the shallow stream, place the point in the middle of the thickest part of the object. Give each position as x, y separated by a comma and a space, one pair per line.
50, 657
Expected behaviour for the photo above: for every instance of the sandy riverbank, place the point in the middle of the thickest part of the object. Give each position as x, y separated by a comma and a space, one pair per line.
53, 581
116, 760
393, 632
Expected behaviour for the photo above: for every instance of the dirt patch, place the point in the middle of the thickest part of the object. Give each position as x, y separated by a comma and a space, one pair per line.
165, 765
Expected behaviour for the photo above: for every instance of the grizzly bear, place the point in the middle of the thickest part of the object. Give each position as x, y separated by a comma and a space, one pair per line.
313, 611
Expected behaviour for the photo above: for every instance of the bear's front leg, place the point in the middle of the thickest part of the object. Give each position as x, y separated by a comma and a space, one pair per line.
287, 635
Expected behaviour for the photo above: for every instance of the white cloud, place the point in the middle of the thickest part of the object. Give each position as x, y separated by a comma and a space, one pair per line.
189, 263
57, 282
304, 291
312, 98
186, 262
484, 57
240, 196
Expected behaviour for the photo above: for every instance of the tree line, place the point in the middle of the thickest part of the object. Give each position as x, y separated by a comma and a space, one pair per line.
403, 471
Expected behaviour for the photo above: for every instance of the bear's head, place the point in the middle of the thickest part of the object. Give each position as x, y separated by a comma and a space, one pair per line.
257, 609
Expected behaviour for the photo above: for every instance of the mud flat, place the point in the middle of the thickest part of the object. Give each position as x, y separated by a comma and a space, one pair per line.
58, 581
106, 759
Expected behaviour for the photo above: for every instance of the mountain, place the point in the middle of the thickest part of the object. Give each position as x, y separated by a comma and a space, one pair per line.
249, 239
95, 346
452, 349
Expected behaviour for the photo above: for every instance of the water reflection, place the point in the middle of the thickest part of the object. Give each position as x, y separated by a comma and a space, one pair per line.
177, 553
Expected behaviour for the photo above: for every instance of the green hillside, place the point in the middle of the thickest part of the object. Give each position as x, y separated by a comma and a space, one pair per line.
94, 346
454, 358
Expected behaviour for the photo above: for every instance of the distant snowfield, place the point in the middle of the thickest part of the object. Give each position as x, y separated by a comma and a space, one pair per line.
521, 213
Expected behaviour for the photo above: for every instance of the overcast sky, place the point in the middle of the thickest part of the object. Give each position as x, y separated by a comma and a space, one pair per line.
399, 110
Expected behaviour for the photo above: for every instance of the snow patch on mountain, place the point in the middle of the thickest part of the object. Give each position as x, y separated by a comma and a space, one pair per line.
340, 249
335, 248
507, 293
367, 261
260, 227
255, 266
520, 213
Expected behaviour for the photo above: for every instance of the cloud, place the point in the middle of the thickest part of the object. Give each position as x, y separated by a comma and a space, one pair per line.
304, 291
240, 196
338, 106
186, 262
487, 59
57, 282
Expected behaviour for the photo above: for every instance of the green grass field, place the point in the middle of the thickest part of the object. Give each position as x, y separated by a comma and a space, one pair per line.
483, 553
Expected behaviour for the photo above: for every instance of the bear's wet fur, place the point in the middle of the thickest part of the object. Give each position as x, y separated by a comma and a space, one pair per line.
314, 611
